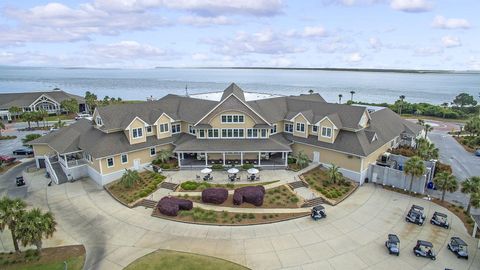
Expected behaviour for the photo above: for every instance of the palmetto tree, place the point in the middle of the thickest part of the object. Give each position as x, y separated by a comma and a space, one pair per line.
129, 178
43, 114
11, 212
402, 98
2, 126
34, 226
301, 160
27, 117
164, 155
415, 168
15, 111
471, 186
420, 122
426, 150
334, 174
445, 106
428, 128
445, 182
351, 95
340, 96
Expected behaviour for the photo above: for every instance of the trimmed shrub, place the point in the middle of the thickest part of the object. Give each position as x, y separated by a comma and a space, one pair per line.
189, 185
170, 206
214, 195
217, 167
250, 194
247, 166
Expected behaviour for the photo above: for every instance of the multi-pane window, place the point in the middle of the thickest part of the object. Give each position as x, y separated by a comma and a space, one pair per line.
110, 162
153, 151
163, 127
233, 118
99, 121
176, 128
233, 133
137, 133
314, 129
213, 133
124, 158
300, 127
252, 133
263, 133
273, 130
288, 127
326, 132
191, 130
201, 133
149, 129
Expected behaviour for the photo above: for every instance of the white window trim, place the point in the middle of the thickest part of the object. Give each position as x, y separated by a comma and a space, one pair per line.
226, 137
285, 125
179, 128
113, 162
232, 115
313, 131
213, 131
252, 137
146, 129
260, 133
121, 158
138, 137
165, 130
301, 124
190, 129
274, 127
99, 123
200, 132
331, 132
150, 149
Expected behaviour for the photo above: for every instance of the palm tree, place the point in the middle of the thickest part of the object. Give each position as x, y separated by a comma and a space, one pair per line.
402, 98
428, 128
445, 182
301, 160
340, 98
43, 114
471, 186
334, 174
15, 111
27, 117
415, 167
420, 122
2, 126
445, 106
34, 226
129, 178
11, 212
426, 150
164, 155
351, 95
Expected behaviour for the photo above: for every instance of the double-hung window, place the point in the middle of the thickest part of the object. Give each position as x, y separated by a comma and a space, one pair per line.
124, 158
137, 133
326, 132
263, 133
233, 133
110, 162
213, 133
149, 129
232, 118
201, 133
315, 129
99, 121
252, 133
191, 130
176, 128
300, 127
163, 128
153, 151
288, 127
273, 130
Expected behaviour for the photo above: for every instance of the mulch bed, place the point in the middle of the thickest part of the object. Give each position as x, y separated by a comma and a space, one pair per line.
460, 213
317, 179
145, 186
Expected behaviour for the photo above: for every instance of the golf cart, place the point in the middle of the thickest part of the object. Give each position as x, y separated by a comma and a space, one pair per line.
424, 249
19, 181
318, 212
415, 215
393, 244
439, 219
459, 247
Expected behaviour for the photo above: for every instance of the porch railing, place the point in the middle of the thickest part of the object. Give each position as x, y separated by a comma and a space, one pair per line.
50, 170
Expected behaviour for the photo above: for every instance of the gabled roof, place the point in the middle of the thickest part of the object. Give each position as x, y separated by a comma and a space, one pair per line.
233, 89
8, 100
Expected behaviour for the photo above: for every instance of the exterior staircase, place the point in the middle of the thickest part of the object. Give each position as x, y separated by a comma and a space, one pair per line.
168, 185
297, 184
62, 177
147, 203
313, 202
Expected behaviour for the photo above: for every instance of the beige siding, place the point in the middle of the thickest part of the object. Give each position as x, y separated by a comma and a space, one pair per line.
216, 121
374, 156
184, 126
95, 165
345, 161
300, 119
143, 155
326, 123
163, 120
43, 149
364, 120
136, 124
153, 133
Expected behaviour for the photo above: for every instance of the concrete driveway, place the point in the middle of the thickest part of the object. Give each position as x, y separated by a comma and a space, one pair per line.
352, 237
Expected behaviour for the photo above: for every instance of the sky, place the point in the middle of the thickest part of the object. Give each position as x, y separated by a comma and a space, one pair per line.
401, 34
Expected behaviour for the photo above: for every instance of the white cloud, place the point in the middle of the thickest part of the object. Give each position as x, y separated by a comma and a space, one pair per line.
352, 2
411, 5
428, 51
450, 23
354, 57
450, 42
205, 21
375, 43
314, 31
337, 44
127, 50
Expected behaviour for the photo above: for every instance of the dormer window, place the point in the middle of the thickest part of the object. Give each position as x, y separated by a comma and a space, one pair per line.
326, 132
315, 129
149, 129
98, 121
300, 127
288, 127
137, 133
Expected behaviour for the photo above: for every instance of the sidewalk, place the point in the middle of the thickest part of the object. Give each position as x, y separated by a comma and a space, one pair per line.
251, 210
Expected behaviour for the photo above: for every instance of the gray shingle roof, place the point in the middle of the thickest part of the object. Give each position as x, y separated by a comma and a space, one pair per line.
8, 100
233, 89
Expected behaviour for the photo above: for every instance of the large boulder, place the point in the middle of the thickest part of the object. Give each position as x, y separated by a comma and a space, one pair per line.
214, 195
170, 206
250, 194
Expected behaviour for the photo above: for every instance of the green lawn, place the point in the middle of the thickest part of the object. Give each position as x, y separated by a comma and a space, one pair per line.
174, 260
61, 117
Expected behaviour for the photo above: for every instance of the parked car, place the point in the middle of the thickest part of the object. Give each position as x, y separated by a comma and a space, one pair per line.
7, 159
19, 181
424, 249
439, 219
318, 212
477, 152
393, 244
415, 215
23, 152
459, 247
83, 116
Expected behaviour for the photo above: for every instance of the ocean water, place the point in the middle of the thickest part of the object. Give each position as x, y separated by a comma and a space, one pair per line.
139, 84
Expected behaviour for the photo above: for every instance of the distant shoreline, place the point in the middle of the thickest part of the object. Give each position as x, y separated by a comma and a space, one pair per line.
419, 71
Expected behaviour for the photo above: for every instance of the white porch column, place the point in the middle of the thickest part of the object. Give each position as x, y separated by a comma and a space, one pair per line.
285, 155
475, 227
223, 158
259, 158
65, 160
241, 158
179, 156
206, 159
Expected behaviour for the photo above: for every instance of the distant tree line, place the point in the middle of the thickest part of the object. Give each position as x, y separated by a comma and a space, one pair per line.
92, 100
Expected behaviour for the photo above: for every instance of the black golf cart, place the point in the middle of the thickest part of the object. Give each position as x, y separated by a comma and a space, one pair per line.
459, 247
393, 244
19, 181
424, 249
439, 219
415, 215
318, 212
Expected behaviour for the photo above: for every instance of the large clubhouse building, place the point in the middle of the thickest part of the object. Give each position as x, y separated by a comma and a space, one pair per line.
229, 128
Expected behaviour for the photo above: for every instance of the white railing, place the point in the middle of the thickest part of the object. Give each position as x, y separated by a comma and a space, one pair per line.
76, 162
50, 170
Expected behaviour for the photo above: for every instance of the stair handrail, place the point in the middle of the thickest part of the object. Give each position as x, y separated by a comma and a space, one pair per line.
49, 168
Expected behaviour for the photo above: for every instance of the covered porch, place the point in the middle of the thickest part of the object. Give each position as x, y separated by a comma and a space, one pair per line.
269, 159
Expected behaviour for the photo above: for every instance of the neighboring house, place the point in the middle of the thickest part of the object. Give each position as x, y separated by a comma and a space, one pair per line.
34, 101
233, 128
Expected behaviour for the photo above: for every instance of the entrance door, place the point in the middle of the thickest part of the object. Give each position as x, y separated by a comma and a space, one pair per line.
316, 157
136, 164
